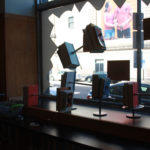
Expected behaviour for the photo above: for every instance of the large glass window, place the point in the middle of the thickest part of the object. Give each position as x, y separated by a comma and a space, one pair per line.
117, 28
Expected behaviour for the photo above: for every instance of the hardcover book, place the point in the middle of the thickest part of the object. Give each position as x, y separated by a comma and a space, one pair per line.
64, 100
30, 95
130, 97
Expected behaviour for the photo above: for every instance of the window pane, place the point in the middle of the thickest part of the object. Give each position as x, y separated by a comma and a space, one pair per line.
96, 67
101, 67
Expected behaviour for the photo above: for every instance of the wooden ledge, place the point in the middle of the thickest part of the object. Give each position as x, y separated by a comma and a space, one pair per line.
126, 129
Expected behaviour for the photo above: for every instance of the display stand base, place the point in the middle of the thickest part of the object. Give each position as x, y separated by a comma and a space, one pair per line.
102, 114
133, 115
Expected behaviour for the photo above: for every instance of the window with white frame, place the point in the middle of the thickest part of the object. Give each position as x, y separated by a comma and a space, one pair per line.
99, 65
71, 22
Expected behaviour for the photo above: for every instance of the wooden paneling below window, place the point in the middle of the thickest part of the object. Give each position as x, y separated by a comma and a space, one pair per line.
21, 54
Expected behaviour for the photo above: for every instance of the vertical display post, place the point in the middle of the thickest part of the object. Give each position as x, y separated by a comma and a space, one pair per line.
139, 28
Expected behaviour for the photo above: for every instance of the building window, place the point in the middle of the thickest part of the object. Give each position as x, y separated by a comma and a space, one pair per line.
99, 65
71, 22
